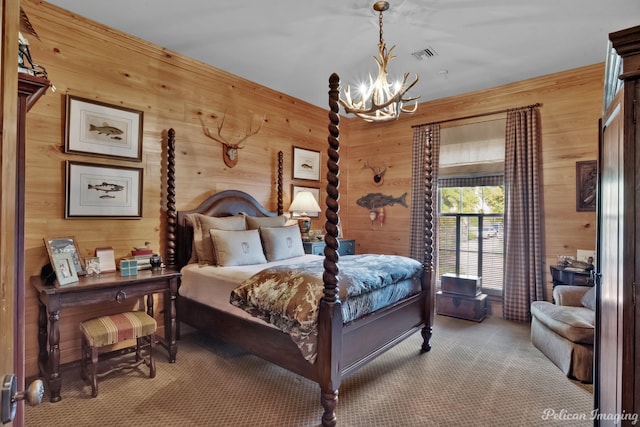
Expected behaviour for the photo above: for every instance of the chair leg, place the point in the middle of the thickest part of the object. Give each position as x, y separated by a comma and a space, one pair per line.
152, 362
83, 360
94, 371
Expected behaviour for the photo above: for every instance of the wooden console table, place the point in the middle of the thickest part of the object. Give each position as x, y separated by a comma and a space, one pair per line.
96, 289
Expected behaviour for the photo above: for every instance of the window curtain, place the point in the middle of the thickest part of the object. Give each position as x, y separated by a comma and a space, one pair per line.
524, 265
425, 138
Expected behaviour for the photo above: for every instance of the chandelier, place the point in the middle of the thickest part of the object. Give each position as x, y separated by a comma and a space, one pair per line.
381, 100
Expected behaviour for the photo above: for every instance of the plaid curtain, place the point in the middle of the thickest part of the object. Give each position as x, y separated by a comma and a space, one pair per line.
426, 142
524, 265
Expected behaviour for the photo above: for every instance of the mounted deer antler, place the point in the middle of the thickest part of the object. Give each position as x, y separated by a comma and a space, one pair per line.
378, 172
230, 150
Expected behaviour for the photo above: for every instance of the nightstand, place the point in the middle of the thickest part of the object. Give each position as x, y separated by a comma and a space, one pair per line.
347, 247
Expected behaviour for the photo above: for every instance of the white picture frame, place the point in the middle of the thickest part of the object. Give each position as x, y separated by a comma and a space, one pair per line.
99, 129
96, 190
63, 265
107, 259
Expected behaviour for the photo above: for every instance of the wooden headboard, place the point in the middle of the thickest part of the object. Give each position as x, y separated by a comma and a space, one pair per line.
224, 203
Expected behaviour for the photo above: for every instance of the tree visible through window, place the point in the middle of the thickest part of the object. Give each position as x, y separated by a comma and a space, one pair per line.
471, 234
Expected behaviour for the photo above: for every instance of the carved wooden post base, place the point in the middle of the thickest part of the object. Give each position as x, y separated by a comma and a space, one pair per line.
329, 401
426, 332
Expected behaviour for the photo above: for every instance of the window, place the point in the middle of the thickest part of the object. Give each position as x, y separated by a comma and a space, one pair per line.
471, 234
471, 202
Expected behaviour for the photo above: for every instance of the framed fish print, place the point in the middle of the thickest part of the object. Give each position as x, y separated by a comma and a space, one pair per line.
98, 129
102, 191
306, 164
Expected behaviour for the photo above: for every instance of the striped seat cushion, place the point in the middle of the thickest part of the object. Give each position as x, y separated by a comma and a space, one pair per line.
111, 329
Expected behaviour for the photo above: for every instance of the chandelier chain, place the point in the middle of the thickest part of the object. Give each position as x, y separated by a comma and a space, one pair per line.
380, 24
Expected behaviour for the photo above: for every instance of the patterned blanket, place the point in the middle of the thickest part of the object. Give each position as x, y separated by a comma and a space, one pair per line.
289, 296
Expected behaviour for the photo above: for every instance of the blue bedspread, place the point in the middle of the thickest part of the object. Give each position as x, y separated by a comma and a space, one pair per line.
289, 296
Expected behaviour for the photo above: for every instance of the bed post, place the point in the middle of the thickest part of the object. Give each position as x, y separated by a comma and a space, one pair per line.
279, 182
427, 263
330, 316
172, 215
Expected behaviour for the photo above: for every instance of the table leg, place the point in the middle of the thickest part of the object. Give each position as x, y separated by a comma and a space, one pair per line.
150, 305
170, 320
43, 356
55, 381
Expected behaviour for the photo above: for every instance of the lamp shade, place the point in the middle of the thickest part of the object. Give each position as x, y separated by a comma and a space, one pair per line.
304, 202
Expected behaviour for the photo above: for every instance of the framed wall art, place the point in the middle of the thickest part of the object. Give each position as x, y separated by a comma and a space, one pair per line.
98, 129
64, 245
295, 189
306, 164
586, 185
102, 191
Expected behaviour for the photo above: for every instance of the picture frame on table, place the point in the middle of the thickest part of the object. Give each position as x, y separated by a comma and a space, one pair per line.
102, 191
63, 265
99, 129
92, 265
295, 189
106, 259
64, 245
306, 164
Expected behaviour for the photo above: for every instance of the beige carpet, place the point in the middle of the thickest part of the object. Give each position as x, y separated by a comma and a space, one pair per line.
477, 374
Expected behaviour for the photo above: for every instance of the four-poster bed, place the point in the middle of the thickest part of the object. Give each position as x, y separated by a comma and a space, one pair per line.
341, 346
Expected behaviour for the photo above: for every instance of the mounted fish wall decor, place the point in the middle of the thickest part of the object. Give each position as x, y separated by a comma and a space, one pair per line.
376, 202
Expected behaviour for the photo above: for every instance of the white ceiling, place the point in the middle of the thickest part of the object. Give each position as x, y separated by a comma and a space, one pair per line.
293, 46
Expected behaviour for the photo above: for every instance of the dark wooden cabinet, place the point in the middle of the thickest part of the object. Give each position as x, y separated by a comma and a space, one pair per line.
617, 339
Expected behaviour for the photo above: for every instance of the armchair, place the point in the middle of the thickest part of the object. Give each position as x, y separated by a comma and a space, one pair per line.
563, 331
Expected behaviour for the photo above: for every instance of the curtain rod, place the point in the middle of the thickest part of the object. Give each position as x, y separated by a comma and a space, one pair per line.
473, 116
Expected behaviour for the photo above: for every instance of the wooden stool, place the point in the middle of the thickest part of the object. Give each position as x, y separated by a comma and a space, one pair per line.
107, 330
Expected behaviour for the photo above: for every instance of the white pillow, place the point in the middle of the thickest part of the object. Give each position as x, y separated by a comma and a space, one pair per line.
281, 242
237, 247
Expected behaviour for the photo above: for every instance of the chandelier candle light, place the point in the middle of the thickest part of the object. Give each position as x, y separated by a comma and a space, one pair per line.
304, 202
381, 100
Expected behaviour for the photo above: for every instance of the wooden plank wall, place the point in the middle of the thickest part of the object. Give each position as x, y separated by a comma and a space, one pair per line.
87, 59
571, 106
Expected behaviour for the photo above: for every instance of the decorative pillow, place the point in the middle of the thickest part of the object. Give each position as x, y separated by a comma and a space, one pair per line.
281, 242
237, 247
202, 239
589, 299
255, 222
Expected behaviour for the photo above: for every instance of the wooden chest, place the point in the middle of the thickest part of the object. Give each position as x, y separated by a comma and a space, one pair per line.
461, 284
463, 307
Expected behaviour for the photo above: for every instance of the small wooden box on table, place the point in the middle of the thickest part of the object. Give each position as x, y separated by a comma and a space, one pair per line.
92, 290
461, 297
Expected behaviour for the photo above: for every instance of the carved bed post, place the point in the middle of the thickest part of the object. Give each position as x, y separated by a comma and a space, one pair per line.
330, 316
427, 263
279, 182
170, 258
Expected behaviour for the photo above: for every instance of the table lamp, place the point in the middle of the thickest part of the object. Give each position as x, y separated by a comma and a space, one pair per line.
304, 202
